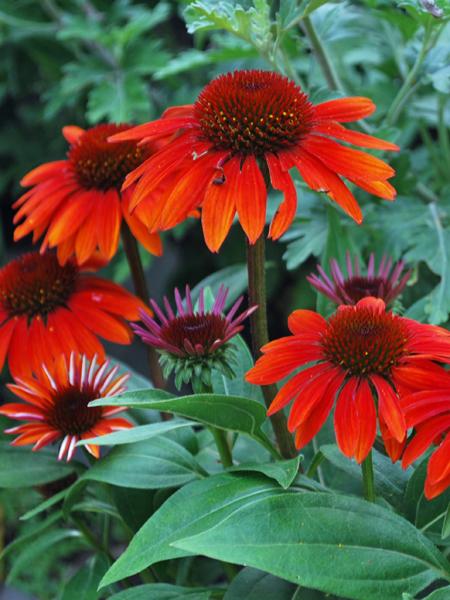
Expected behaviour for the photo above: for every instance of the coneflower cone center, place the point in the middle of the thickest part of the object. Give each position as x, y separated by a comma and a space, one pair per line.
359, 287
253, 112
101, 165
198, 329
35, 285
70, 413
365, 342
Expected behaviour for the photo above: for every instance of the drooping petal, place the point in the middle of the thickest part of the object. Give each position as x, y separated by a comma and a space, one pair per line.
344, 109
251, 207
286, 211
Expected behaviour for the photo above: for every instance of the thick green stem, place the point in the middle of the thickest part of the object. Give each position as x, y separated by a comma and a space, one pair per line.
260, 336
223, 447
368, 478
326, 65
140, 286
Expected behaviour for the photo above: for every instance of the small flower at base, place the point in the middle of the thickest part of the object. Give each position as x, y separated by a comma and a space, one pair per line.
387, 284
194, 342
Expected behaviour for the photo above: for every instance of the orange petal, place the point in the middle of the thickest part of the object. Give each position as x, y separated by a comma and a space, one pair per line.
353, 137
219, 205
72, 133
286, 211
251, 199
153, 129
109, 218
306, 321
345, 109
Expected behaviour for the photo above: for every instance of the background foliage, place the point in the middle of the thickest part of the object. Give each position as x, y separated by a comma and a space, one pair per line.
71, 61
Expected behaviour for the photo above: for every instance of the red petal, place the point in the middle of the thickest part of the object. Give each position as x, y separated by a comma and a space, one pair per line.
72, 133
346, 423
347, 161
153, 129
353, 137
44, 172
286, 211
251, 199
219, 205
320, 178
345, 109
109, 218
389, 408
306, 321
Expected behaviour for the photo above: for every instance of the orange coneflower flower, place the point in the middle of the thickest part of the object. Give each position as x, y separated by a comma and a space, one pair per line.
56, 404
429, 413
365, 358
77, 203
48, 309
243, 124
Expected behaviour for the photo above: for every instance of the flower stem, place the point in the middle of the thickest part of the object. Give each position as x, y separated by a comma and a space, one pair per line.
368, 478
140, 285
222, 446
323, 59
404, 92
260, 336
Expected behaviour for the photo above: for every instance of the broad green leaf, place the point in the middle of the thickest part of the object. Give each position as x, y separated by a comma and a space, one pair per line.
83, 585
252, 584
390, 479
136, 434
226, 412
194, 508
284, 471
336, 544
163, 591
19, 467
152, 464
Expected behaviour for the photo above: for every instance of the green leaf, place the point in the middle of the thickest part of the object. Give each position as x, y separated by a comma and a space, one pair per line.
194, 508
136, 434
119, 99
226, 412
284, 471
336, 544
390, 479
32, 552
152, 464
441, 594
83, 585
46, 504
252, 25
35, 531
446, 524
238, 386
234, 278
252, 584
19, 467
308, 237
162, 591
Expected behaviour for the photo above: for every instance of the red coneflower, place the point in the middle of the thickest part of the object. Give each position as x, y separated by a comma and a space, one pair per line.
429, 413
47, 309
56, 404
385, 284
77, 202
195, 340
241, 125
364, 357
